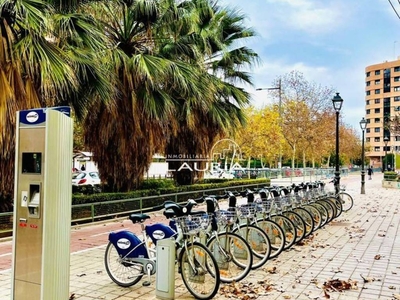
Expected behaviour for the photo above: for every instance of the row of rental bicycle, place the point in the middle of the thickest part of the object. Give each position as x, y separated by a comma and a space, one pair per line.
223, 244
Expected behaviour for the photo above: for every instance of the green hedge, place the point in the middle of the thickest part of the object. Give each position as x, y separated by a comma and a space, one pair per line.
105, 197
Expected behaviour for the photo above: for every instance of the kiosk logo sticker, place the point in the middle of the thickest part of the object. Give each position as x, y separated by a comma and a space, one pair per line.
32, 117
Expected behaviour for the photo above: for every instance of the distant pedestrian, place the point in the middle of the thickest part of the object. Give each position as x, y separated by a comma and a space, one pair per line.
370, 172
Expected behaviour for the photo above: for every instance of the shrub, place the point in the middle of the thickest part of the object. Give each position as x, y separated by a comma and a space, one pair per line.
390, 176
150, 184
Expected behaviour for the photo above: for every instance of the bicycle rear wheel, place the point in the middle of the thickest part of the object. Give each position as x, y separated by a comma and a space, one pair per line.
233, 255
199, 271
121, 270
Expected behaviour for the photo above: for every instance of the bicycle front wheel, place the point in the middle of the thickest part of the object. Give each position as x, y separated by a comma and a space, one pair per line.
347, 201
199, 271
122, 271
258, 241
275, 234
307, 218
298, 223
288, 228
233, 255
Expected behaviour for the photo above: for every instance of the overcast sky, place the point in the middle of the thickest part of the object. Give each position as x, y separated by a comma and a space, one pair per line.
329, 41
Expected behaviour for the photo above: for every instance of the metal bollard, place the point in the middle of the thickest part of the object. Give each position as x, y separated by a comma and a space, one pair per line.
165, 275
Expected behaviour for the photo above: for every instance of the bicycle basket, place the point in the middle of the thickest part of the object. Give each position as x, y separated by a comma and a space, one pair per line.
267, 206
226, 217
248, 210
280, 203
193, 224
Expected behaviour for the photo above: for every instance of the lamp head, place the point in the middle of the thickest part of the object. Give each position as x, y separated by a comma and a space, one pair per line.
363, 124
337, 102
386, 140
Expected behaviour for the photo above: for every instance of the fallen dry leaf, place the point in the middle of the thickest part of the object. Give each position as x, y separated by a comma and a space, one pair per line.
367, 279
271, 270
338, 285
245, 290
377, 257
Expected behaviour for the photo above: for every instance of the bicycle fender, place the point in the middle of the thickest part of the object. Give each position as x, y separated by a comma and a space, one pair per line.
128, 244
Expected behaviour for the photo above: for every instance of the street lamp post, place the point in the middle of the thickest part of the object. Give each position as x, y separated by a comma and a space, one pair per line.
279, 88
337, 105
363, 125
385, 140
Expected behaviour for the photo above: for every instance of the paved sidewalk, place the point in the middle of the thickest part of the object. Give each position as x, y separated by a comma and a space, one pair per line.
362, 243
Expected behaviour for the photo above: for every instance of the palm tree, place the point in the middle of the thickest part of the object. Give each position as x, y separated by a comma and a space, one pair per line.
46, 59
125, 135
215, 115
162, 53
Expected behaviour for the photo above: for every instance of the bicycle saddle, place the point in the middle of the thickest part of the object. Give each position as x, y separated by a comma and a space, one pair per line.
138, 218
178, 210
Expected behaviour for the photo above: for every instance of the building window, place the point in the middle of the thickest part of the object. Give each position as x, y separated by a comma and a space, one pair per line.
367, 130
378, 81
368, 83
377, 110
367, 102
397, 138
396, 79
377, 72
397, 108
378, 91
377, 120
367, 140
397, 69
368, 93
377, 101
377, 139
368, 121
377, 149
396, 88
368, 74
377, 129
368, 111
397, 98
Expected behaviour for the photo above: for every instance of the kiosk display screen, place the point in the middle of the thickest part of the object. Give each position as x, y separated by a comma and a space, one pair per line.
32, 163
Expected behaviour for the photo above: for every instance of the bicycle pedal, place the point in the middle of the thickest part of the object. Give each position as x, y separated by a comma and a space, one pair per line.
146, 283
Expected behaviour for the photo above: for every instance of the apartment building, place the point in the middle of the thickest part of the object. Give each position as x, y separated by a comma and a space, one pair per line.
382, 101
